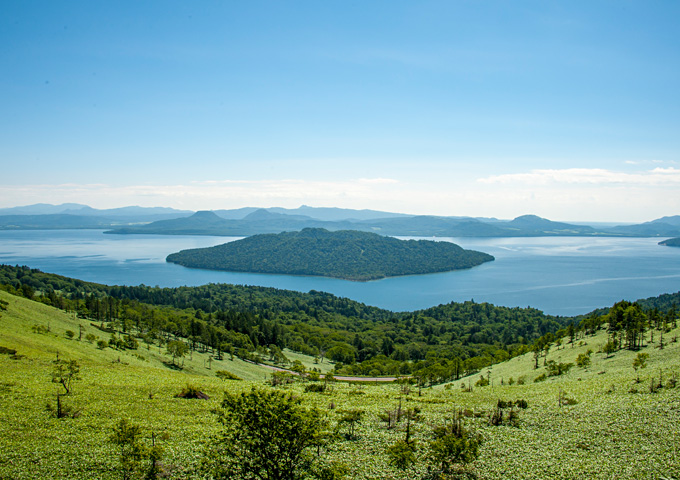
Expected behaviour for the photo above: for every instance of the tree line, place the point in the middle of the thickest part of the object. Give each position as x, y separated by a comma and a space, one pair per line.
438, 343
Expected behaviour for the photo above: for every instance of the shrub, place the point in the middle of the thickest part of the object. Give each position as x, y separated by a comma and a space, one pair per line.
556, 369
41, 329
282, 452
583, 360
453, 446
225, 375
315, 388
127, 437
563, 400
191, 391
482, 382
282, 378
499, 416
402, 454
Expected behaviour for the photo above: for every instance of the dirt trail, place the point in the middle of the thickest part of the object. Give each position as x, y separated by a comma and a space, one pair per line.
339, 378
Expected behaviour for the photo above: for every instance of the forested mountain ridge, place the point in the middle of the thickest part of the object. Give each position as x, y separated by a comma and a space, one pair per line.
242, 222
275, 220
346, 254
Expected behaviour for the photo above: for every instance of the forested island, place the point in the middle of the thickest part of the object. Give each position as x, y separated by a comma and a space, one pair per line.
671, 242
345, 254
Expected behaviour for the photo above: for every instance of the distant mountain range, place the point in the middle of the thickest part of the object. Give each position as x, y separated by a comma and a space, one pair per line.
75, 215
252, 221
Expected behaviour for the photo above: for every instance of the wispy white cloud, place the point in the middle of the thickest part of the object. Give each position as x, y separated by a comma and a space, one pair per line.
378, 181
647, 162
589, 176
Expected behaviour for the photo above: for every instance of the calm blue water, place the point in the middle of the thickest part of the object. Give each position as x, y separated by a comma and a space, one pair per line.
561, 276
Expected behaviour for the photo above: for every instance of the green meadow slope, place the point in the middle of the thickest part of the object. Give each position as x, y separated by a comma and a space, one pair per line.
613, 427
135, 385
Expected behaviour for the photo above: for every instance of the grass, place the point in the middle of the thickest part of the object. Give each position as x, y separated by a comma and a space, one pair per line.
323, 366
607, 433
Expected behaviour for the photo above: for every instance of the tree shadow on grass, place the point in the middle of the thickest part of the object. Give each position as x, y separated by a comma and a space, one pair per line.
172, 366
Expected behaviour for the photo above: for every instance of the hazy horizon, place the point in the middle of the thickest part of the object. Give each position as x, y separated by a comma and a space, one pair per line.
562, 110
303, 206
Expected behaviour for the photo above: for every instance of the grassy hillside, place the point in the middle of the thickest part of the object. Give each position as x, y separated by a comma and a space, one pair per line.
136, 385
608, 432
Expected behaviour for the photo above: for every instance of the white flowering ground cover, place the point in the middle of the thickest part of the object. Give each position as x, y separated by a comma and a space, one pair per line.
606, 433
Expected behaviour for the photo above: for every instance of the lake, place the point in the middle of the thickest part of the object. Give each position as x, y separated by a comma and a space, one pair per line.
559, 275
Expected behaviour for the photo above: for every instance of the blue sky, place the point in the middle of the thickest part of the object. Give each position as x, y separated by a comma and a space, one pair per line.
568, 110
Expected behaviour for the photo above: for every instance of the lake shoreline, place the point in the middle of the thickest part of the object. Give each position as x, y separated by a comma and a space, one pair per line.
564, 276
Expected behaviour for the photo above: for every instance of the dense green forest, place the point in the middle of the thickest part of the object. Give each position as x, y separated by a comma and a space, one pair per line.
346, 254
442, 342
361, 339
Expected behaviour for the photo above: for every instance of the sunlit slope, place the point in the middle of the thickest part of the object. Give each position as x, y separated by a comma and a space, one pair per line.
21, 325
137, 385
610, 427
616, 427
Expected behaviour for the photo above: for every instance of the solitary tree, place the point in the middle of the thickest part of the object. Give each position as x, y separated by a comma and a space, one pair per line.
640, 362
571, 333
609, 348
267, 435
177, 349
352, 418
65, 372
